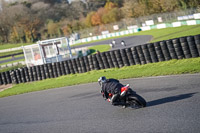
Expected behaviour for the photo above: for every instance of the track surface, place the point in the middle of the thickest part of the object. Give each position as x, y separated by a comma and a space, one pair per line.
130, 41
173, 106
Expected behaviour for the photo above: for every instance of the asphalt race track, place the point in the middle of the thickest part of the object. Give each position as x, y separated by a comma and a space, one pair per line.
130, 41
173, 106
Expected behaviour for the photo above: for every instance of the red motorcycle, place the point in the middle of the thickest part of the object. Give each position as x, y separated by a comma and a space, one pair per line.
129, 98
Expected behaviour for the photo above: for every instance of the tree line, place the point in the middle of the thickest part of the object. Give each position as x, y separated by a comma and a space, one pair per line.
27, 21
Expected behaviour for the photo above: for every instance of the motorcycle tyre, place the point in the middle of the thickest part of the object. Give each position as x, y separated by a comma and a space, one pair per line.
138, 99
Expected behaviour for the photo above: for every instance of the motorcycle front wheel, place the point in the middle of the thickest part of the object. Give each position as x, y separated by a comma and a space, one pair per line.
136, 101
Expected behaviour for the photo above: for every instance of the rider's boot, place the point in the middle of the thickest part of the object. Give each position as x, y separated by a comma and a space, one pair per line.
114, 98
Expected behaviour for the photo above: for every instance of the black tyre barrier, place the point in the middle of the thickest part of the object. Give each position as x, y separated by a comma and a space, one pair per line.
119, 58
152, 52
62, 68
30, 73
26, 72
185, 47
105, 61
82, 64
86, 61
197, 42
1, 81
171, 49
38, 71
43, 76
50, 69
109, 60
74, 65
46, 71
130, 56
192, 46
58, 69
71, 68
135, 55
159, 52
90, 60
114, 59
22, 75
55, 74
141, 54
78, 65
95, 62
178, 48
3, 77
100, 61
146, 53
165, 50
66, 67
124, 57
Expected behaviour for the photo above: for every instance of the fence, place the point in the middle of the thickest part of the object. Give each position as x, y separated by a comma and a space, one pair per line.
168, 17
178, 48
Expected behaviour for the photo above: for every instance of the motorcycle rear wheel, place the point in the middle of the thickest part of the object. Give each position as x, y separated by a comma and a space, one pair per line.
136, 101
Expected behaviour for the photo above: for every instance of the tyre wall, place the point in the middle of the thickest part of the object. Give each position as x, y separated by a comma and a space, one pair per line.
177, 48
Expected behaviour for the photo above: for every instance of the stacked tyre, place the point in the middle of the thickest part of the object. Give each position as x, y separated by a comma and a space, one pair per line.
119, 58
50, 70
130, 56
152, 52
146, 52
192, 46
185, 47
82, 64
124, 57
104, 59
66, 67
100, 61
87, 64
109, 59
95, 62
197, 42
178, 48
171, 49
90, 62
114, 59
141, 54
165, 50
26, 74
159, 52
135, 55
22, 75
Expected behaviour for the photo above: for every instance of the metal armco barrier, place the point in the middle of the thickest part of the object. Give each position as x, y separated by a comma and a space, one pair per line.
177, 48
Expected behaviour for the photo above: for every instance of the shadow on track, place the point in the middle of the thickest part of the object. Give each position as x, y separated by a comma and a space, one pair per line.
169, 99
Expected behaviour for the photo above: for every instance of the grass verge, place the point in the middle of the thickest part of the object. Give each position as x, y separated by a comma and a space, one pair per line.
171, 67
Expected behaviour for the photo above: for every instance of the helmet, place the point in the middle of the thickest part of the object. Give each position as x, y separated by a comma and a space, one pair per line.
102, 79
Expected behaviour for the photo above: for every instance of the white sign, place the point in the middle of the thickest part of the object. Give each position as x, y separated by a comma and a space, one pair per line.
149, 22
116, 27
197, 16
191, 22
160, 26
176, 24
105, 32
160, 19
132, 27
145, 28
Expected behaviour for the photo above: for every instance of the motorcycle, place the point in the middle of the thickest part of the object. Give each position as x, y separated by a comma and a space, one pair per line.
129, 98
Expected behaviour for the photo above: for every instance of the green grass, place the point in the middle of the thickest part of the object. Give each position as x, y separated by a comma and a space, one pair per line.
170, 33
171, 67
8, 46
100, 48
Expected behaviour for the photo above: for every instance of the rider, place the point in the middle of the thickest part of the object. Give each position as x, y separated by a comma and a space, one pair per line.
110, 86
